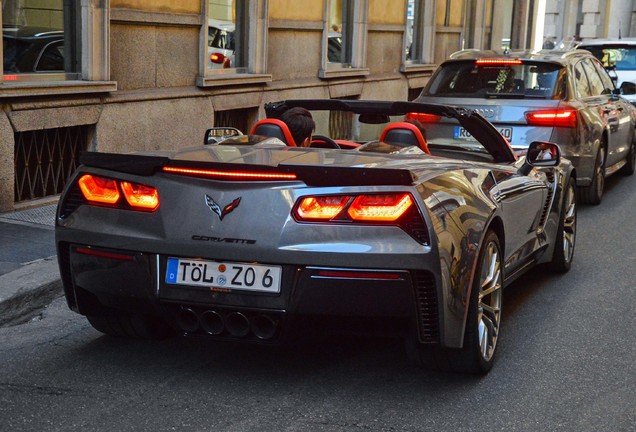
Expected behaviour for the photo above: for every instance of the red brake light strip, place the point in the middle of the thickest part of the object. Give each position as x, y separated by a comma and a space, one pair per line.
495, 62
237, 175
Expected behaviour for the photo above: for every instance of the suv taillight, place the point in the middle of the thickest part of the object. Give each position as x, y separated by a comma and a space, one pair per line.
552, 118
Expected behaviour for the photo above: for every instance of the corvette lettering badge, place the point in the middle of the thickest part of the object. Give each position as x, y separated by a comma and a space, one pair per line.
217, 208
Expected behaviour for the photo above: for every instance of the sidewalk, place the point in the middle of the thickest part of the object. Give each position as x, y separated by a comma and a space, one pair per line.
29, 276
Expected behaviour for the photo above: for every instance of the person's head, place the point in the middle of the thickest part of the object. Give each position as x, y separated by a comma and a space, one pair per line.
301, 125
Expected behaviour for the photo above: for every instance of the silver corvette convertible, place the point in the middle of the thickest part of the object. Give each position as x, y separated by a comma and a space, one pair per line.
372, 229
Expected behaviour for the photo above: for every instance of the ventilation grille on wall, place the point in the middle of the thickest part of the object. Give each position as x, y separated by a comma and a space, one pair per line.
45, 159
238, 118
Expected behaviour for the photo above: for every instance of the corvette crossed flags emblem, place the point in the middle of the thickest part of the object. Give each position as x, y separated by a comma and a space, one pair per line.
216, 208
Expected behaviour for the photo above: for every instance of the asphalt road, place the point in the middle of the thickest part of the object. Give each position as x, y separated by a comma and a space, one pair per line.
566, 362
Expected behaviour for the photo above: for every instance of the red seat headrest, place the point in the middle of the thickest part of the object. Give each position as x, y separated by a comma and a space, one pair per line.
274, 128
404, 134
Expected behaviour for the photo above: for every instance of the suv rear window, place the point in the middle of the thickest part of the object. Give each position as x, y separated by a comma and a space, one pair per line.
497, 80
620, 56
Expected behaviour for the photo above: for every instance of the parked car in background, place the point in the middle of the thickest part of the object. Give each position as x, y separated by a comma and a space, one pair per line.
32, 49
220, 44
566, 97
618, 56
386, 236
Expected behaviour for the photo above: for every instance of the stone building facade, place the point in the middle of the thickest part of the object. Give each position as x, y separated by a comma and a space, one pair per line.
590, 19
134, 75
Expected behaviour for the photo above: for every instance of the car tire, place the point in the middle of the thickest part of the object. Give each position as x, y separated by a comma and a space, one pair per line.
593, 194
130, 326
565, 239
630, 165
482, 324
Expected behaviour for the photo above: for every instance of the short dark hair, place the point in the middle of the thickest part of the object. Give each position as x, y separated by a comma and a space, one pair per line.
300, 123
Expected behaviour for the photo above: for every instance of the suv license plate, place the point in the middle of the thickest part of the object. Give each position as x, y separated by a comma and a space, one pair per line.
230, 275
461, 133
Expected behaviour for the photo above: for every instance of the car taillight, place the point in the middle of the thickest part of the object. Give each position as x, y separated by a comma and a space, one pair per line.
140, 196
217, 58
552, 118
398, 209
321, 208
423, 118
99, 189
107, 191
379, 208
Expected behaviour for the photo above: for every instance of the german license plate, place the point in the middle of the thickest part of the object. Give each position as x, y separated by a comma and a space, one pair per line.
461, 133
230, 275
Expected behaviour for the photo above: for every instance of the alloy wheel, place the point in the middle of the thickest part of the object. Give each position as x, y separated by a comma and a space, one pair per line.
490, 294
569, 224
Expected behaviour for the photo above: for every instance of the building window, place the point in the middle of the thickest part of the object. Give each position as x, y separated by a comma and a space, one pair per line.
419, 33
39, 39
235, 38
53, 41
345, 38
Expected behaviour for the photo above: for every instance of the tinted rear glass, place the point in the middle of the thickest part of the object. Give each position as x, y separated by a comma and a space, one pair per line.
623, 57
467, 79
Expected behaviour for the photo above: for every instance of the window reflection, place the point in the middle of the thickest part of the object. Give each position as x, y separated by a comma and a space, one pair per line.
227, 33
413, 30
340, 32
37, 37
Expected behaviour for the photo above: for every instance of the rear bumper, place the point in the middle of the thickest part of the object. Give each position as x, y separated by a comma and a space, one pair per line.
103, 281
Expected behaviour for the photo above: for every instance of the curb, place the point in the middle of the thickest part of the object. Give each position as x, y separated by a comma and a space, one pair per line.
26, 291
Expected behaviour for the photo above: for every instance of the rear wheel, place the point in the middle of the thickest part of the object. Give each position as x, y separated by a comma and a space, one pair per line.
593, 194
131, 326
482, 324
566, 234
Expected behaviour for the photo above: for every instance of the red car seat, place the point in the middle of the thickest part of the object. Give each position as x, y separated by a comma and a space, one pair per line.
274, 128
404, 134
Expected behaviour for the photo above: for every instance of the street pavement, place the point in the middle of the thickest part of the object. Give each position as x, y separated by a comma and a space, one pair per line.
29, 275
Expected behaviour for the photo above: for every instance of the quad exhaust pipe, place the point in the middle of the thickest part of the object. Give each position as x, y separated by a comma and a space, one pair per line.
236, 324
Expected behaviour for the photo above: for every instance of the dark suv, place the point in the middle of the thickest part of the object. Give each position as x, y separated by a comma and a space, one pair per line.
566, 97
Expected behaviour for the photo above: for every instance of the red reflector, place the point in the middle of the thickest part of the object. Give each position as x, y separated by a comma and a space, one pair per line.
10, 77
217, 58
423, 118
351, 274
552, 118
109, 255
497, 62
231, 175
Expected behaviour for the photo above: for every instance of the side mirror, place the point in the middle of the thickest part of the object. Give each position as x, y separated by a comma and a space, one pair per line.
628, 88
217, 134
541, 154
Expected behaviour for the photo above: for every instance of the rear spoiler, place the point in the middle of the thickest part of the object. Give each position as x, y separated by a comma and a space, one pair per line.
311, 175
